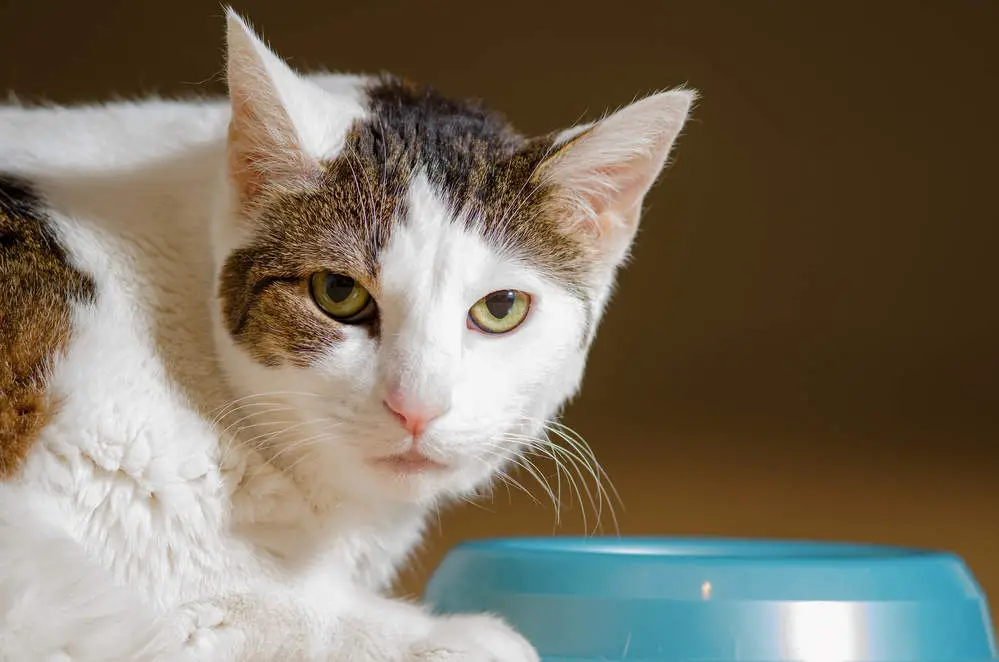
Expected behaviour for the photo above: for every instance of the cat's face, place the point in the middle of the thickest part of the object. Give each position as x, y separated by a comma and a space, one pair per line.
408, 287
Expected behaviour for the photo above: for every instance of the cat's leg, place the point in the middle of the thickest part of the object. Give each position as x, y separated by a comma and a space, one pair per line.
271, 627
472, 638
58, 606
268, 626
384, 630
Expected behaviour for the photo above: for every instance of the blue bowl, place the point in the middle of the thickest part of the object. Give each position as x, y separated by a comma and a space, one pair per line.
720, 600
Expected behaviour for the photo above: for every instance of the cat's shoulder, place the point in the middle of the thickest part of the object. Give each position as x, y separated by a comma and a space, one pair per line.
42, 138
38, 287
18, 111
45, 140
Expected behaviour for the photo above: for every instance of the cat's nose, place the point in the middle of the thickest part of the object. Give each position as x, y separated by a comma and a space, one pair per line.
413, 416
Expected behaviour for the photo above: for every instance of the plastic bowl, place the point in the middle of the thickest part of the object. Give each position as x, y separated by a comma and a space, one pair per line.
721, 600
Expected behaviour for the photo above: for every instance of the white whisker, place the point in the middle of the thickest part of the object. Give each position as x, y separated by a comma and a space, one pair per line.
577, 460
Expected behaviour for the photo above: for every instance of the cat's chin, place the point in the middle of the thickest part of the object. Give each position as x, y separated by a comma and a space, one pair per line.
407, 484
409, 463
412, 478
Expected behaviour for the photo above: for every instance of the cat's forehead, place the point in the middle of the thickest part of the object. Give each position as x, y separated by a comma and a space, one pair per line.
430, 254
413, 142
464, 147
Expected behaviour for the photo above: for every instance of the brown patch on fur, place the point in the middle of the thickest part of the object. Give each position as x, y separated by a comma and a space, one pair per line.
340, 226
37, 288
487, 173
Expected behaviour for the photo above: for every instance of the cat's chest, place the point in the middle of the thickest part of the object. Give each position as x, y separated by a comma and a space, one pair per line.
129, 455
311, 546
137, 481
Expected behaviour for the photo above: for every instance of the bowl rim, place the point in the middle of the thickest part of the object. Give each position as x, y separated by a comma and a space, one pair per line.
701, 548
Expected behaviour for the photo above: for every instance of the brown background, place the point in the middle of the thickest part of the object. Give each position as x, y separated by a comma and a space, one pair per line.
806, 342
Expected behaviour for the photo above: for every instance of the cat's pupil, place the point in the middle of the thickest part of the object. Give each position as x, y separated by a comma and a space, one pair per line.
339, 287
500, 304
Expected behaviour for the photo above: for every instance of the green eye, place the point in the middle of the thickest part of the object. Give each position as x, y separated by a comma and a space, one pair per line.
341, 297
500, 312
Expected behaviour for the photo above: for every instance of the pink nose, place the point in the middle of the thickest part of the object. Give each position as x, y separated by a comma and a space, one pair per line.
414, 417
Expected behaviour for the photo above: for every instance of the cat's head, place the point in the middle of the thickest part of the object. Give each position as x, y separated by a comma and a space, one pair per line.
408, 287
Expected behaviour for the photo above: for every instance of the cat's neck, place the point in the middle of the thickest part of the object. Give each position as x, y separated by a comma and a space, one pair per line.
286, 511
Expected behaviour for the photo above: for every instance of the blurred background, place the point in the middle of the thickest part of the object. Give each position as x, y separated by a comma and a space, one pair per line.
807, 341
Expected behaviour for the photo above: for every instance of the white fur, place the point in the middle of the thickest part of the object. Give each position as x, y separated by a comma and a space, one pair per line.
139, 529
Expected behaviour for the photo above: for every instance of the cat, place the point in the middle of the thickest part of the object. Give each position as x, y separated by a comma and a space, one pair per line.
250, 344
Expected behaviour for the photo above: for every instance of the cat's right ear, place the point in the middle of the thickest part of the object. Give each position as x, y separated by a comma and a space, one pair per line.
265, 149
601, 172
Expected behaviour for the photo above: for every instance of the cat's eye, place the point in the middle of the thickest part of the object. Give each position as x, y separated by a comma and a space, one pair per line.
341, 297
500, 312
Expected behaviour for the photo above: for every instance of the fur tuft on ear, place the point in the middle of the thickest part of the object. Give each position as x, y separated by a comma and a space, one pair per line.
265, 149
603, 171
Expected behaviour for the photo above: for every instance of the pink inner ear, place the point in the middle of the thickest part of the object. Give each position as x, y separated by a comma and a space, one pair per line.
631, 181
606, 170
264, 150
242, 159
612, 193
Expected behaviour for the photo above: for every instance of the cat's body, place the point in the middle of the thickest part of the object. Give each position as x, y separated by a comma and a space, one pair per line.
205, 459
130, 461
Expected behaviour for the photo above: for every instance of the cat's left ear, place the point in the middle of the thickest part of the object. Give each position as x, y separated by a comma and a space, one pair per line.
602, 172
265, 142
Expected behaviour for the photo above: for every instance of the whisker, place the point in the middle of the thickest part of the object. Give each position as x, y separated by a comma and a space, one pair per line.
588, 459
301, 445
473, 502
525, 463
298, 444
577, 440
513, 481
260, 441
266, 394
249, 416
306, 455
576, 452
558, 456
510, 480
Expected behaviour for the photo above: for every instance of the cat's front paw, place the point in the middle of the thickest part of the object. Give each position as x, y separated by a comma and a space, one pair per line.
190, 633
472, 638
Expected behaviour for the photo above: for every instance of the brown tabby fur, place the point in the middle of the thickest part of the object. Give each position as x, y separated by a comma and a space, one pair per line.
37, 288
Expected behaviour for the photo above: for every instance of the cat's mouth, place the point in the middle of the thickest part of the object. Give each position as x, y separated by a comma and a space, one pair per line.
409, 462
